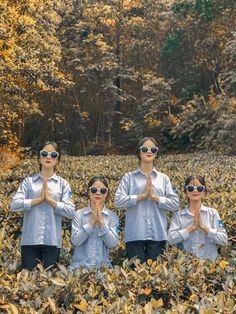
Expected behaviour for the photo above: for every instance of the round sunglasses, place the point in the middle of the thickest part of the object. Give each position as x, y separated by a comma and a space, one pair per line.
191, 188
94, 190
145, 149
45, 154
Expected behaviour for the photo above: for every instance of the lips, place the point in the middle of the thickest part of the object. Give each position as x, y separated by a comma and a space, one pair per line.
97, 197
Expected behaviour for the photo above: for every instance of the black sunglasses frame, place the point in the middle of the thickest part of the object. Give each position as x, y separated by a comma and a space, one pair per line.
94, 189
145, 149
45, 154
191, 188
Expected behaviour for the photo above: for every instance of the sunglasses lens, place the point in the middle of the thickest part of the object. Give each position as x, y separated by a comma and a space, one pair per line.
190, 188
154, 149
43, 153
54, 155
200, 188
93, 189
103, 190
144, 149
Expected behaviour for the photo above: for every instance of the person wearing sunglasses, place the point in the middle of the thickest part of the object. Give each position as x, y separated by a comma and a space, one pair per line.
95, 229
44, 199
148, 195
197, 229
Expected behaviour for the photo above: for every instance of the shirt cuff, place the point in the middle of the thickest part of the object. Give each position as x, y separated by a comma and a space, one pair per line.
87, 227
133, 200
162, 200
27, 204
184, 234
59, 208
211, 234
103, 230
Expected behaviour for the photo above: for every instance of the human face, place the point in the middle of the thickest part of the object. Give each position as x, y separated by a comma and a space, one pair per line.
195, 195
147, 156
48, 162
98, 196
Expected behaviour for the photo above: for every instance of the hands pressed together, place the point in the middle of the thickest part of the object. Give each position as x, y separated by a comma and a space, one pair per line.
44, 196
148, 192
197, 224
97, 217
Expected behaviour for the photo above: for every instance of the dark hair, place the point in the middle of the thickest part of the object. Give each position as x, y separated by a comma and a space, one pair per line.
97, 178
55, 146
141, 142
193, 177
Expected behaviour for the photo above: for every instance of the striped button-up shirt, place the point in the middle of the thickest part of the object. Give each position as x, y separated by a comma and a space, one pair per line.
42, 223
92, 244
198, 243
146, 219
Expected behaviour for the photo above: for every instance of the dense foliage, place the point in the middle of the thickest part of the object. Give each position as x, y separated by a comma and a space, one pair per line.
174, 283
91, 74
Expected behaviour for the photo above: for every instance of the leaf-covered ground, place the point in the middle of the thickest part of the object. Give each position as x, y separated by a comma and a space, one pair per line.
174, 283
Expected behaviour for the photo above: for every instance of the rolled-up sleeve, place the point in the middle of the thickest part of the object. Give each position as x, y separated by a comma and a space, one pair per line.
122, 196
171, 200
217, 233
79, 233
175, 233
110, 234
65, 207
20, 201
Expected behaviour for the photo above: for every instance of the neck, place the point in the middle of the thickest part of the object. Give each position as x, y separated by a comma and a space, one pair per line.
47, 173
195, 206
96, 204
146, 168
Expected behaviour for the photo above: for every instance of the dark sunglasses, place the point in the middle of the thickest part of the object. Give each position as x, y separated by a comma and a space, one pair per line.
94, 190
45, 154
145, 149
199, 188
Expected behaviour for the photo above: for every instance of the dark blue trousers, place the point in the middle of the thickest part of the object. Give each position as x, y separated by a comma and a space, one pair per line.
145, 249
31, 255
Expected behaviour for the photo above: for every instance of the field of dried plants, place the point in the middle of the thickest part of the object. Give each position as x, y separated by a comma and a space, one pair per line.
174, 283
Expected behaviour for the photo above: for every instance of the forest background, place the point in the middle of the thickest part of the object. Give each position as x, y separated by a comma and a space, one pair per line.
97, 75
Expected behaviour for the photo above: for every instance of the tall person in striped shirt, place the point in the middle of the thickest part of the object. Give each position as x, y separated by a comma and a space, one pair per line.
197, 229
44, 199
148, 195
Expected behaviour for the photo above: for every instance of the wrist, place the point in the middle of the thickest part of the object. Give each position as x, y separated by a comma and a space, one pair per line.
141, 197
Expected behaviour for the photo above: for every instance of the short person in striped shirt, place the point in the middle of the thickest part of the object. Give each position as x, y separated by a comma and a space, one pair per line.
197, 229
147, 194
95, 228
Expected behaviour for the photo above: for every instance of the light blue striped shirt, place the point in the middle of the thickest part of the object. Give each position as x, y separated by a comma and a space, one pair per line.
42, 223
198, 243
92, 244
146, 219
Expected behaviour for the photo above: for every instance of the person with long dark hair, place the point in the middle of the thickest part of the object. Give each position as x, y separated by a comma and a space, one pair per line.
44, 199
148, 195
197, 229
95, 228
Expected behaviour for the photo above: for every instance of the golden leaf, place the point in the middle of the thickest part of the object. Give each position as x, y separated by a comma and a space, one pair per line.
223, 264
82, 306
157, 303
52, 304
194, 297
58, 282
147, 291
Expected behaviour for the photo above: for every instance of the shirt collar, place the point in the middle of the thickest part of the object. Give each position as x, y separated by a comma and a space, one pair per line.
37, 176
138, 170
186, 210
88, 210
